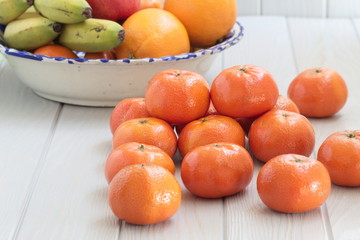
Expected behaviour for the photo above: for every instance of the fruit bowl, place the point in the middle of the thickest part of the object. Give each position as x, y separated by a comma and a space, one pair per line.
103, 82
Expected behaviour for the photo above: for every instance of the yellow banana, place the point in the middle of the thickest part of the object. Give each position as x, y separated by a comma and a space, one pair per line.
64, 11
31, 12
11, 9
92, 35
31, 33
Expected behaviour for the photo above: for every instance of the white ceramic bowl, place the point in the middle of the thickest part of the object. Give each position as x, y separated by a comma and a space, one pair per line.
104, 82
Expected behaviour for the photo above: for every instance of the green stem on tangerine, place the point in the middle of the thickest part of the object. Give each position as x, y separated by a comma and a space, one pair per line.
243, 69
143, 121
203, 120
351, 135
141, 147
299, 160
318, 70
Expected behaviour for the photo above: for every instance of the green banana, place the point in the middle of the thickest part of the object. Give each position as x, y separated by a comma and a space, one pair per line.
31, 33
92, 35
11, 9
64, 11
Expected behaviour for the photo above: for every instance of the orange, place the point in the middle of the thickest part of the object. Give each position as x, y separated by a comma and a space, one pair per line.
244, 91
210, 111
135, 153
282, 103
177, 96
100, 55
340, 153
207, 21
153, 33
318, 92
54, 50
217, 170
144, 194
281, 132
292, 183
151, 4
151, 131
210, 129
126, 109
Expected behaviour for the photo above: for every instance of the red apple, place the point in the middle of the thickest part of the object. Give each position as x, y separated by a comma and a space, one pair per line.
114, 9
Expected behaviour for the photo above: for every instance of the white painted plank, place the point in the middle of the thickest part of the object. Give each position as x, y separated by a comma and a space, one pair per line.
294, 8
26, 122
266, 43
70, 198
343, 8
248, 7
335, 44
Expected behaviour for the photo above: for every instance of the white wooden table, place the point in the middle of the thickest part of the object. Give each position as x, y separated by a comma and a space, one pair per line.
52, 155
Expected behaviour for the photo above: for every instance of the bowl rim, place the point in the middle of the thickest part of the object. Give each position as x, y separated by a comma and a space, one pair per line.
235, 35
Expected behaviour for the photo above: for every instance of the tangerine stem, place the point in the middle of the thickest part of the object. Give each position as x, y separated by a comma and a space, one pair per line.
299, 160
143, 121
351, 135
141, 147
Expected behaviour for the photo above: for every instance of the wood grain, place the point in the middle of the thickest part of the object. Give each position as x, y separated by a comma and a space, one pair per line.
266, 43
334, 43
70, 198
26, 124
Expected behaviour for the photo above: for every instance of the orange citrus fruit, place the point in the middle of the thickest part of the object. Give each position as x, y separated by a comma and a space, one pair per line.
177, 96
135, 153
100, 55
153, 33
151, 131
207, 21
126, 109
340, 153
280, 132
144, 194
217, 170
210, 129
244, 91
318, 92
292, 183
54, 50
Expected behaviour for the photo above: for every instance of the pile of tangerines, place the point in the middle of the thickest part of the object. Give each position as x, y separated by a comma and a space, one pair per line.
209, 126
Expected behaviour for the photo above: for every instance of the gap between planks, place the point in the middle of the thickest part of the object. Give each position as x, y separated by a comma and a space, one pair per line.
36, 173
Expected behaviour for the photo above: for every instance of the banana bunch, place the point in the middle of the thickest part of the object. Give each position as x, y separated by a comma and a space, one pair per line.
68, 22
11, 9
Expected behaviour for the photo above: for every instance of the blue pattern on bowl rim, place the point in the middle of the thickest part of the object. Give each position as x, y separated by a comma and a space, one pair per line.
233, 38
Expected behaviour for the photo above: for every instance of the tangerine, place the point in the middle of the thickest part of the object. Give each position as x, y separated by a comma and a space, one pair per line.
318, 92
151, 131
135, 153
244, 91
54, 50
144, 194
217, 170
279, 132
126, 109
292, 183
210, 129
340, 153
177, 96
